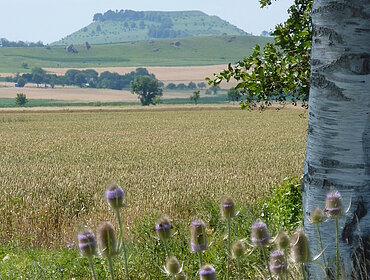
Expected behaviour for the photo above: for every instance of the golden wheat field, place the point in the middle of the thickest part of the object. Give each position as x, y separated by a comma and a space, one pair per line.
55, 166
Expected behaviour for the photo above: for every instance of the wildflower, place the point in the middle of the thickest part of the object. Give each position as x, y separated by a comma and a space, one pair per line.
114, 195
207, 272
238, 249
86, 243
260, 234
333, 204
106, 240
227, 208
277, 262
198, 237
282, 241
299, 247
316, 216
181, 276
173, 266
163, 227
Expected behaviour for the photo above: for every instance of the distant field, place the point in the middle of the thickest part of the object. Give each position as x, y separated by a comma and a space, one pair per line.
168, 161
193, 51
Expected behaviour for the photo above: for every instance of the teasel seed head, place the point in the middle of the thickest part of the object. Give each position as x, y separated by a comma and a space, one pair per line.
277, 262
333, 204
173, 266
260, 234
181, 276
238, 249
227, 208
87, 243
299, 247
163, 227
114, 195
316, 216
198, 236
207, 272
107, 240
282, 241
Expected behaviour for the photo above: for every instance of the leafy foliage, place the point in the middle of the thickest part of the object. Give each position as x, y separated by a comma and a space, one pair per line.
233, 94
195, 96
281, 69
21, 99
148, 89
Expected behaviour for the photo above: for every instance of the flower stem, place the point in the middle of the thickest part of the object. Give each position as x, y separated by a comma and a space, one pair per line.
322, 249
165, 245
93, 274
266, 260
286, 263
337, 246
200, 259
111, 270
238, 267
121, 243
228, 247
303, 271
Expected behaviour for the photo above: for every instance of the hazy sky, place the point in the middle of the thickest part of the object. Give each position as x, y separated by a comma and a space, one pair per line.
50, 20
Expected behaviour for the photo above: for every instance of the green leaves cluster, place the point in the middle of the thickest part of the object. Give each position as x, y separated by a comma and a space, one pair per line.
281, 70
148, 89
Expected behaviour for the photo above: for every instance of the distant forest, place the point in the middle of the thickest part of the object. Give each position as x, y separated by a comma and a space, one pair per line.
20, 44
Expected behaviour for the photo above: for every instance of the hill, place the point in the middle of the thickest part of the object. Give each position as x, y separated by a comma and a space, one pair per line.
127, 25
190, 51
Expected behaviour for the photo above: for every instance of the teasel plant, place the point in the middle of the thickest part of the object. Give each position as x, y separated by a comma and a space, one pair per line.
282, 242
87, 246
107, 244
163, 228
198, 239
207, 272
228, 213
277, 264
238, 252
173, 268
115, 198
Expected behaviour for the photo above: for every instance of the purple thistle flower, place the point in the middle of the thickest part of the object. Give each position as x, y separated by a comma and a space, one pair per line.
86, 243
163, 227
333, 204
227, 208
207, 272
198, 236
114, 195
260, 234
277, 262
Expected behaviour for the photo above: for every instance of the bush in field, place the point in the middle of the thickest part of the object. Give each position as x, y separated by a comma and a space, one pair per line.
21, 99
195, 96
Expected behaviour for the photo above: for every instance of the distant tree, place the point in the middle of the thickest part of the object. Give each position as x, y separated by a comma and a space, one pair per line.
38, 75
147, 89
192, 86
201, 85
181, 86
195, 96
24, 65
87, 46
214, 89
85, 29
171, 86
21, 99
98, 17
21, 82
233, 94
208, 92
125, 25
98, 28
142, 25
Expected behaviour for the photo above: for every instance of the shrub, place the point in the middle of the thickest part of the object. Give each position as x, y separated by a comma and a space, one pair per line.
21, 99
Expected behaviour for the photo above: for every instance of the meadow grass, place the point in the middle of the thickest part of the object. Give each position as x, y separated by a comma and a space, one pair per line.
193, 51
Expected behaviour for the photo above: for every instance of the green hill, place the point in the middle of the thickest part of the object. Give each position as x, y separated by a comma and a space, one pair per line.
127, 25
191, 51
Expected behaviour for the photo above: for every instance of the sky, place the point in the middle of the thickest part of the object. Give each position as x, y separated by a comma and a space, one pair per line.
50, 20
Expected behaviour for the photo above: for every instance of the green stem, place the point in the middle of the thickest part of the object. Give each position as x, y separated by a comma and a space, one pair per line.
266, 260
303, 272
200, 259
238, 267
121, 243
228, 247
337, 245
111, 270
286, 263
322, 249
93, 274
165, 245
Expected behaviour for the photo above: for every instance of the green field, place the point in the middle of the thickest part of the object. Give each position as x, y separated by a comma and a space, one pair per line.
191, 52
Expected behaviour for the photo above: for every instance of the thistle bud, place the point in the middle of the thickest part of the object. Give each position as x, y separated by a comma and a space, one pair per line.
207, 272
107, 240
163, 227
198, 237
238, 249
114, 195
86, 243
260, 234
173, 266
299, 247
277, 262
227, 208
282, 241
333, 204
316, 216
181, 276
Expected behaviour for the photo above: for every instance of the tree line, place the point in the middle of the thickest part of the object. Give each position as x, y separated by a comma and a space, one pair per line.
5, 43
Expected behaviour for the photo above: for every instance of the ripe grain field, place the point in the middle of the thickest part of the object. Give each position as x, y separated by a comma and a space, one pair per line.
55, 166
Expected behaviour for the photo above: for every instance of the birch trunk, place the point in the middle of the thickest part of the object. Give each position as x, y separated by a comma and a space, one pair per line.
338, 143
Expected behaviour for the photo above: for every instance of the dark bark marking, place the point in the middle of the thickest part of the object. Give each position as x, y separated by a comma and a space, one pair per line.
315, 61
366, 145
333, 91
341, 7
333, 36
358, 64
329, 163
360, 212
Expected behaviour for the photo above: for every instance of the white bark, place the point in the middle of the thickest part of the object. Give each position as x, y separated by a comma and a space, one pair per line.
338, 143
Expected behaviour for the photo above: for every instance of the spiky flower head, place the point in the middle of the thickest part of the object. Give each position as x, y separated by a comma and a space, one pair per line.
282, 241
207, 272
260, 234
181, 276
299, 247
316, 216
198, 236
86, 243
227, 208
173, 266
107, 240
114, 195
277, 262
333, 204
238, 249
163, 227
